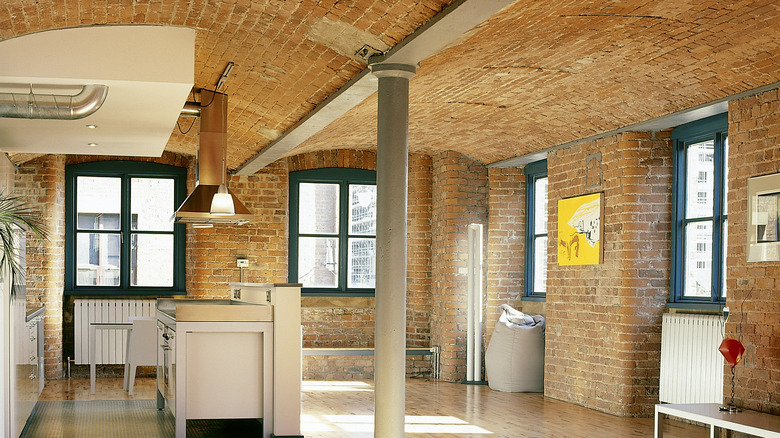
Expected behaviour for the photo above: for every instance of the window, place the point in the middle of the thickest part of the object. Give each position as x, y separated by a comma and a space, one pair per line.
536, 229
333, 231
120, 235
700, 212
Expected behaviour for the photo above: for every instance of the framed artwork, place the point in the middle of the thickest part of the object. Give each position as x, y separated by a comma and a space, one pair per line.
763, 230
579, 230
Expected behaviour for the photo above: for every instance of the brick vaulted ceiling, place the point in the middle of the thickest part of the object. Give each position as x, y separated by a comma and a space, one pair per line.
535, 75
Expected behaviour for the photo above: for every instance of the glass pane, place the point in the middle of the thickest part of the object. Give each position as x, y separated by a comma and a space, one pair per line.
698, 259
98, 202
362, 209
151, 260
151, 204
699, 179
725, 175
540, 265
361, 262
318, 208
97, 259
318, 261
540, 206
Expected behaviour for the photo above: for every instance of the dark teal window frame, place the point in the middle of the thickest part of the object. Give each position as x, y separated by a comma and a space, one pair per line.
124, 170
533, 172
711, 128
344, 177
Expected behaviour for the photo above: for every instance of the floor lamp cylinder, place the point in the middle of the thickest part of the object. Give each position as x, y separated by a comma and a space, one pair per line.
474, 313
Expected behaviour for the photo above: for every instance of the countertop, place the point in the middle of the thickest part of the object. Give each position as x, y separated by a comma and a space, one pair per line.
213, 310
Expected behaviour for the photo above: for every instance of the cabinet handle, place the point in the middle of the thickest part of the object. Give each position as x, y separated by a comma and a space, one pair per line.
33, 376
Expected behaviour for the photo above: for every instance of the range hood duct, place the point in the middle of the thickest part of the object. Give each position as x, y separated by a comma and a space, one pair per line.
53, 106
210, 168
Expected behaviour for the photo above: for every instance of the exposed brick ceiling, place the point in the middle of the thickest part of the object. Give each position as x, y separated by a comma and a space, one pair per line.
533, 76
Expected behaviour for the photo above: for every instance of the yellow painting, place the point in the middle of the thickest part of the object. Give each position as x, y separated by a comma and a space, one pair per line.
579, 230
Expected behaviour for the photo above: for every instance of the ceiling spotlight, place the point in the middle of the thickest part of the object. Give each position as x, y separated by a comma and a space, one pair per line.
91, 126
92, 144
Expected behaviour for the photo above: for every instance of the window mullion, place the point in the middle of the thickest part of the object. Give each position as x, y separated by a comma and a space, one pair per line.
719, 184
343, 233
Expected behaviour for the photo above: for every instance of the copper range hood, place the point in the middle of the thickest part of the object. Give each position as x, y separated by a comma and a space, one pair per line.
211, 171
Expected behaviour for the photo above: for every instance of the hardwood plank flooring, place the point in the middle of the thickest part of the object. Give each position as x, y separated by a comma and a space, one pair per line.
434, 409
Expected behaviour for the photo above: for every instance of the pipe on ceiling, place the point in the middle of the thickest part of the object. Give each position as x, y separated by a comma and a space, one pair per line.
53, 106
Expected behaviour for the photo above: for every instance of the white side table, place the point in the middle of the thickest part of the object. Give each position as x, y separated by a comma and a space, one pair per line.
93, 327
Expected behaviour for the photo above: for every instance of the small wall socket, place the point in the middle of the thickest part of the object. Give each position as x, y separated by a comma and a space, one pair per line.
242, 263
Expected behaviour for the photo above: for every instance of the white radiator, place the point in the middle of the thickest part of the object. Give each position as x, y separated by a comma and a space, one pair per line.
691, 365
110, 345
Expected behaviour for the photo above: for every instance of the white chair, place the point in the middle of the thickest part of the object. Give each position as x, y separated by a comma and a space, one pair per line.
141, 348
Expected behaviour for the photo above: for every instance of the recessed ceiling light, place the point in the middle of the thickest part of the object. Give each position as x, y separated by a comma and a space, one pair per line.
91, 126
92, 144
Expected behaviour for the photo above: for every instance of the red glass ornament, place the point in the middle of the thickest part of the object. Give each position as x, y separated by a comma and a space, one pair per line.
732, 350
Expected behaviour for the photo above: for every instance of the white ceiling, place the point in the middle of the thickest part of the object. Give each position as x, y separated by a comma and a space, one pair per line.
148, 84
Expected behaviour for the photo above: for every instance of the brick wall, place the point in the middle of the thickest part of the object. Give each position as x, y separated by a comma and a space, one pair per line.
212, 252
754, 134
42, 182
349, 322
603, 333
505, 244
460, 196
418, 252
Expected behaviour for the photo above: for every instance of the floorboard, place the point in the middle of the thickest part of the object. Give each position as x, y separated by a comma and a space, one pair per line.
434, 409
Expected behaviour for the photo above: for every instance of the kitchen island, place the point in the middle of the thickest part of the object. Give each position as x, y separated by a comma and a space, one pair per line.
232, 359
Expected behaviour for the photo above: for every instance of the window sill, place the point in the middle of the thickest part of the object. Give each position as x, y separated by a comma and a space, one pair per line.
714, 308
336, 293
124, 292
534, 298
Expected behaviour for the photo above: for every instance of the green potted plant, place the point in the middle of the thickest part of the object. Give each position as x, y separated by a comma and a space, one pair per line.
16, 213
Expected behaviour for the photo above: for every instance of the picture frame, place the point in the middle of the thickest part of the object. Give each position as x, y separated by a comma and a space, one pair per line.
580, 230
763, 222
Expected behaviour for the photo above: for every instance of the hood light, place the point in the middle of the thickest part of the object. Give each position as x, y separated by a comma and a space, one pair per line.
222, 202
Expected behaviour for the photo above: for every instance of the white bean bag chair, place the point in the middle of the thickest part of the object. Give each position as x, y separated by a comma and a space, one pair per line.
514, 360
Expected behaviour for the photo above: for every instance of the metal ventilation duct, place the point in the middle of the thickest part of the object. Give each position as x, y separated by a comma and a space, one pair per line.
211, 173
53, 106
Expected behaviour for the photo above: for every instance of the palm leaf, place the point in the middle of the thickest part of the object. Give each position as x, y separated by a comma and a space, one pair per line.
15, 214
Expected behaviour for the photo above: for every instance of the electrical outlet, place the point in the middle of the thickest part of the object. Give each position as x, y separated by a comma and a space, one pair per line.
242, 263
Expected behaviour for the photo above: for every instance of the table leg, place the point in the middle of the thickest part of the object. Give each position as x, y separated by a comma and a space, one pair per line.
659, 424
91, 359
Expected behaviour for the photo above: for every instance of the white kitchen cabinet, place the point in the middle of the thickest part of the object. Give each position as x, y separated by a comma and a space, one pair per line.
220, 370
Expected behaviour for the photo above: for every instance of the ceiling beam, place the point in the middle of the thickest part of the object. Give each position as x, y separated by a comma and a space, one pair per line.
443, 29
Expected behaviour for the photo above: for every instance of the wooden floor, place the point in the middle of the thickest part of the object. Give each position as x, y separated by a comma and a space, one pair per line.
434, 409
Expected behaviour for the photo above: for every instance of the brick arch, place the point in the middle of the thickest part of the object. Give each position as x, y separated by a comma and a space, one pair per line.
19, 20
351, 159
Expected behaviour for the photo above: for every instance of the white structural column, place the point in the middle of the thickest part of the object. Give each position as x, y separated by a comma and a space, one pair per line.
392, 164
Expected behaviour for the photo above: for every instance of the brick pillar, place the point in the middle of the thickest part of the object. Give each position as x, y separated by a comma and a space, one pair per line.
460, 191
752, 287
603, 338
42, 182
418, 276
